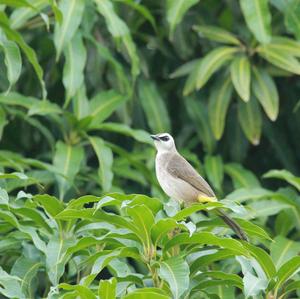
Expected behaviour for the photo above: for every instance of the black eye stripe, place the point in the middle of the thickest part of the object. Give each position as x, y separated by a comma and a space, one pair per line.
164, 138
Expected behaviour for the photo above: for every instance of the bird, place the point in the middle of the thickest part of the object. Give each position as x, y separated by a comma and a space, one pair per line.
180, 181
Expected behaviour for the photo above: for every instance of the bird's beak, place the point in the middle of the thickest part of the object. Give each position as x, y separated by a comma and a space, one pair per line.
154, 137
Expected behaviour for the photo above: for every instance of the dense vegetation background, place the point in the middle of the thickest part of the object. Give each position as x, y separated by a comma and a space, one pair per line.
83, 85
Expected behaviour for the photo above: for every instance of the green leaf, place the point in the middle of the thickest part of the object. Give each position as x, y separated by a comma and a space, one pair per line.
44, 107
197, 112
284, 175
73, 77
104, 104
72, 11
27, 270
13, 60
292, 18
105, 158
214, 170
67, 160
258, 19
285, 45
119, 30
147, 293
286, 271
250, 119
176, 9
252, 229
50, 204
241, 76
10, 285
107, 289
280, 58
175, 271
283, 249
217, 34
28, 51
154, 107
82, 291
185, 69
242, 178
266, 92
218, 104
212, 62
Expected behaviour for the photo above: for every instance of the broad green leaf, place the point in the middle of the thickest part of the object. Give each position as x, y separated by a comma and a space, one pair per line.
175, 271
50, 204
119, 30
258, 19
56, 257
286, 271
214, 170
73, 77
105, 158
80, 103
217, 34
218, 104
147, 293
107, 289
176, 9
82, 291
190, 84
197, 112
284, 175
293, 286
265, 208
10, 286
72, 11
266, 92
161, 228
212, 62
17, 99
154, 107
28, 51
283, 249
241, 76
285, 45
13, 60
251, 120
67, 160
44, 107
242, 178
104, 104
280, 58
252, 229
27, 270
292, 18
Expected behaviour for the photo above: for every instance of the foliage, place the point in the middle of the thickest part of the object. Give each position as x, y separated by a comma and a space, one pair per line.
83, 84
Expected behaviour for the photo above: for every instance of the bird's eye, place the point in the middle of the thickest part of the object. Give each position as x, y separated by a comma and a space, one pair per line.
164, 138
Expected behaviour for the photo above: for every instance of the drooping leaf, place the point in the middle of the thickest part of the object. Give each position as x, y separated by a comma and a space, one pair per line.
175, 271
219, 101
72, 11
258, 19
266, 92
212, 62
250, 119
67, 160
217, 34
105, 158
214, 170
241, 76
75, 54
176, 9
284, 175
154, 107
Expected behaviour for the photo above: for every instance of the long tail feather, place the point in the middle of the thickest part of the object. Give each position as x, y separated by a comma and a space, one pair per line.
233, 225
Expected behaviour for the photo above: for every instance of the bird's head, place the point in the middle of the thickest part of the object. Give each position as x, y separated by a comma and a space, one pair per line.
164, 142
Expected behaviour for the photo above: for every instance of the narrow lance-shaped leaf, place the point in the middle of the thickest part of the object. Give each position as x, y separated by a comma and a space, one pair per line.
67, 160
214, 170
241, 75
105, 158
73, 69
292, 18
258, 19
250, 119
176, 9
217, 34
10, 285
154, 107
212, 62
12, 59
175, 271
219, 101
266, 92
287, 45
72, 11
107, 289
284, 175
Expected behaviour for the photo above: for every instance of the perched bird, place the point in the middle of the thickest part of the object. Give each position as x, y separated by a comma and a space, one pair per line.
180, 181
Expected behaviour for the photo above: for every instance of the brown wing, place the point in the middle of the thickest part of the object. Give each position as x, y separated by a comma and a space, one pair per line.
180, 168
